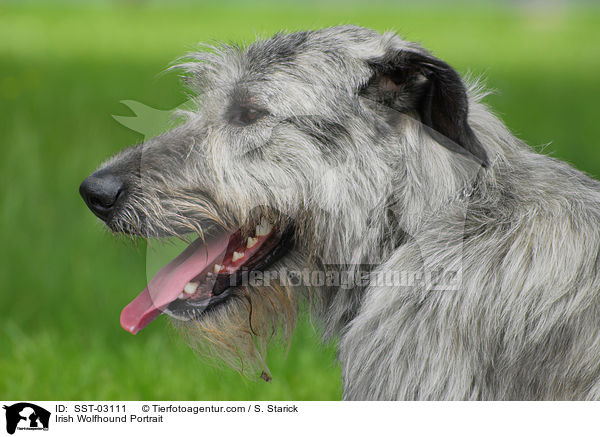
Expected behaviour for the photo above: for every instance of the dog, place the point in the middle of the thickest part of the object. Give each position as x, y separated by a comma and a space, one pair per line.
315, 157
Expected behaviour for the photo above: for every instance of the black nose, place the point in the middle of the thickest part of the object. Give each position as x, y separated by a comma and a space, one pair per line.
100, 191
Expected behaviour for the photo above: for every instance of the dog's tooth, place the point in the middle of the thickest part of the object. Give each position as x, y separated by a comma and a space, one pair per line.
190, 288
181, 296
236, 256
251, 242
218, 268
263, 228
209, 274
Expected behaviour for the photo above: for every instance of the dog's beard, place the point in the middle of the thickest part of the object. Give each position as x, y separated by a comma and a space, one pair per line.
239, 332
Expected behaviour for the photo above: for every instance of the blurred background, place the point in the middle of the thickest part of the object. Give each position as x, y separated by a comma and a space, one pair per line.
65, 67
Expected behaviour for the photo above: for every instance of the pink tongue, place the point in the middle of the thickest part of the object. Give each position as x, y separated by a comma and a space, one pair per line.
168, 283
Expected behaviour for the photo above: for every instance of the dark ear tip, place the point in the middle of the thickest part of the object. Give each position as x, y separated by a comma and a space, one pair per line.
483, 159
480, 157
485, 162
469, 141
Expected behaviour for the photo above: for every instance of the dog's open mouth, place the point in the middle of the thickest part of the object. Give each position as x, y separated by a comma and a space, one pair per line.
205, 273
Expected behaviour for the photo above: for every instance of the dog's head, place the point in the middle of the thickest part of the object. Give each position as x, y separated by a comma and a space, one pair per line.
295, 156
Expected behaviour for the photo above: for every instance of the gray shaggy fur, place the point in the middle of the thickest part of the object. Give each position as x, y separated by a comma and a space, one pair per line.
374, 168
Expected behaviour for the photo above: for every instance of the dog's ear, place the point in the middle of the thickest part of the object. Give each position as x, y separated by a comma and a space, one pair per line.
410, 81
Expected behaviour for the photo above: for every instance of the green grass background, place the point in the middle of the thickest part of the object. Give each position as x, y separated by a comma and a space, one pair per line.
64, 69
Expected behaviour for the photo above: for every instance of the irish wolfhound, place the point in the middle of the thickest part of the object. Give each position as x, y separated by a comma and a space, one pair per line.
344, 153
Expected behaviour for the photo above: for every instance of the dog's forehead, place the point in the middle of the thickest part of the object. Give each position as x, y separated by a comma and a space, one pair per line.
308, 63
314, 55
289, 72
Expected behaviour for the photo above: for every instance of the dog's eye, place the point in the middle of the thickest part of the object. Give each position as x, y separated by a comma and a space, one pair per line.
246, 115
